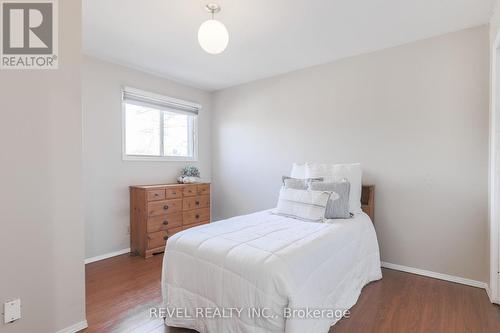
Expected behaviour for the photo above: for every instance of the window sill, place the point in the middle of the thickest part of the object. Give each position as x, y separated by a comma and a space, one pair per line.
132, 158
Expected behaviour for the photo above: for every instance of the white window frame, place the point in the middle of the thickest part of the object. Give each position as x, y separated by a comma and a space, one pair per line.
153, 158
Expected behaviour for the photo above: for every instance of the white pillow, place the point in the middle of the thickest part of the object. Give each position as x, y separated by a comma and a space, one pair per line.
298, 171
338, 172
304, 204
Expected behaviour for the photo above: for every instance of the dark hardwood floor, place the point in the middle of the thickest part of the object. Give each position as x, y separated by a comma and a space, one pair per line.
121, 290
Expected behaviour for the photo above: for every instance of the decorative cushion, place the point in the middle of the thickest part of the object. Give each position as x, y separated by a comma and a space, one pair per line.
303, 204
298, 184
335, 209
336, 173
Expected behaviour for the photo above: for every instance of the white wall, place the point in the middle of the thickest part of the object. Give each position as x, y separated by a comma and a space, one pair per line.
415, 116
106, 175
42, 242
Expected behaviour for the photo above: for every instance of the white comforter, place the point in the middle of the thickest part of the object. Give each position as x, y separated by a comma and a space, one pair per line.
219, 277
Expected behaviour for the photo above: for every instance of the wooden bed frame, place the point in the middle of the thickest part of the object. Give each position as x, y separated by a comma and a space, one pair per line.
368, 200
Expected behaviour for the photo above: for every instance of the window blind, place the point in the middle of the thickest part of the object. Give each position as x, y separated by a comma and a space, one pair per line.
138, 97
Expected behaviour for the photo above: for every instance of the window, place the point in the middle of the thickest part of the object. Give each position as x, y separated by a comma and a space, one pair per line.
158, 128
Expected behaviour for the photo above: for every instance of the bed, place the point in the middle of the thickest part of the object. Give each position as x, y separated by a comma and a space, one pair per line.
268, 273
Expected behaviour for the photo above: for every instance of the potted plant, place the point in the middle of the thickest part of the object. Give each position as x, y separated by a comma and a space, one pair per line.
189, 174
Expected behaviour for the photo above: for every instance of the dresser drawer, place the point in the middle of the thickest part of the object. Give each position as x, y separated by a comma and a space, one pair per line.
164, 222
173, 193
189, 190
194, 225
201, 201
196, 216
164, 207
203, 189
159, 238
155, 195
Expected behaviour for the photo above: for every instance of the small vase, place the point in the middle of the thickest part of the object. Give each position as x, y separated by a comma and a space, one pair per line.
190, 180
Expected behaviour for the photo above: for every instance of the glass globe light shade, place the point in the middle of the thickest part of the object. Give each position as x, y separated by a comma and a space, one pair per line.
213, 36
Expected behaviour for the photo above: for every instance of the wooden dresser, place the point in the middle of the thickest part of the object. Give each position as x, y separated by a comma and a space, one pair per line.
159, 211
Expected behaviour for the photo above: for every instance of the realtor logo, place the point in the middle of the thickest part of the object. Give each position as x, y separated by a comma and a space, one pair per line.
29, 34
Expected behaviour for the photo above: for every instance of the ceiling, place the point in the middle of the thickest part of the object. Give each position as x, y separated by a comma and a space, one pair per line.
266, 37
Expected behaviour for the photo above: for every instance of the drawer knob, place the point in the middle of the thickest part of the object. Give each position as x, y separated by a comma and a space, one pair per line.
174, 193
165, 222
197, 216
156, 194
197, 203
165, 207
165, 237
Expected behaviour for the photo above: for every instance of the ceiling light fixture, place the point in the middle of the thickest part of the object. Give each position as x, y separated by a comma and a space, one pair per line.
212, 35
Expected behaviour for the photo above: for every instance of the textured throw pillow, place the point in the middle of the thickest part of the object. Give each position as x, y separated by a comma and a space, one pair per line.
303, 204
335, 209
298, 184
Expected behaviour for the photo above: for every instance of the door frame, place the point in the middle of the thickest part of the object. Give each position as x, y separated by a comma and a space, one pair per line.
494, 178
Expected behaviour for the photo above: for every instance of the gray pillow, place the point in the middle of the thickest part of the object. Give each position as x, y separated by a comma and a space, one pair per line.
335, 209
298, 184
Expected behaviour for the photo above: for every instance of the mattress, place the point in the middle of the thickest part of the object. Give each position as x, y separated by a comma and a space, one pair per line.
267, 273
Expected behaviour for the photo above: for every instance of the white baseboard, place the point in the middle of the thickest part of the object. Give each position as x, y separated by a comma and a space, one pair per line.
492, 297
74, 328
107, 255
488, 292
440, 276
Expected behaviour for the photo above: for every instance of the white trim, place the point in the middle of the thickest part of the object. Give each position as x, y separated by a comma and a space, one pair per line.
107, 255
494, 220
435, 275
488, 292
146, 158
75, 327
